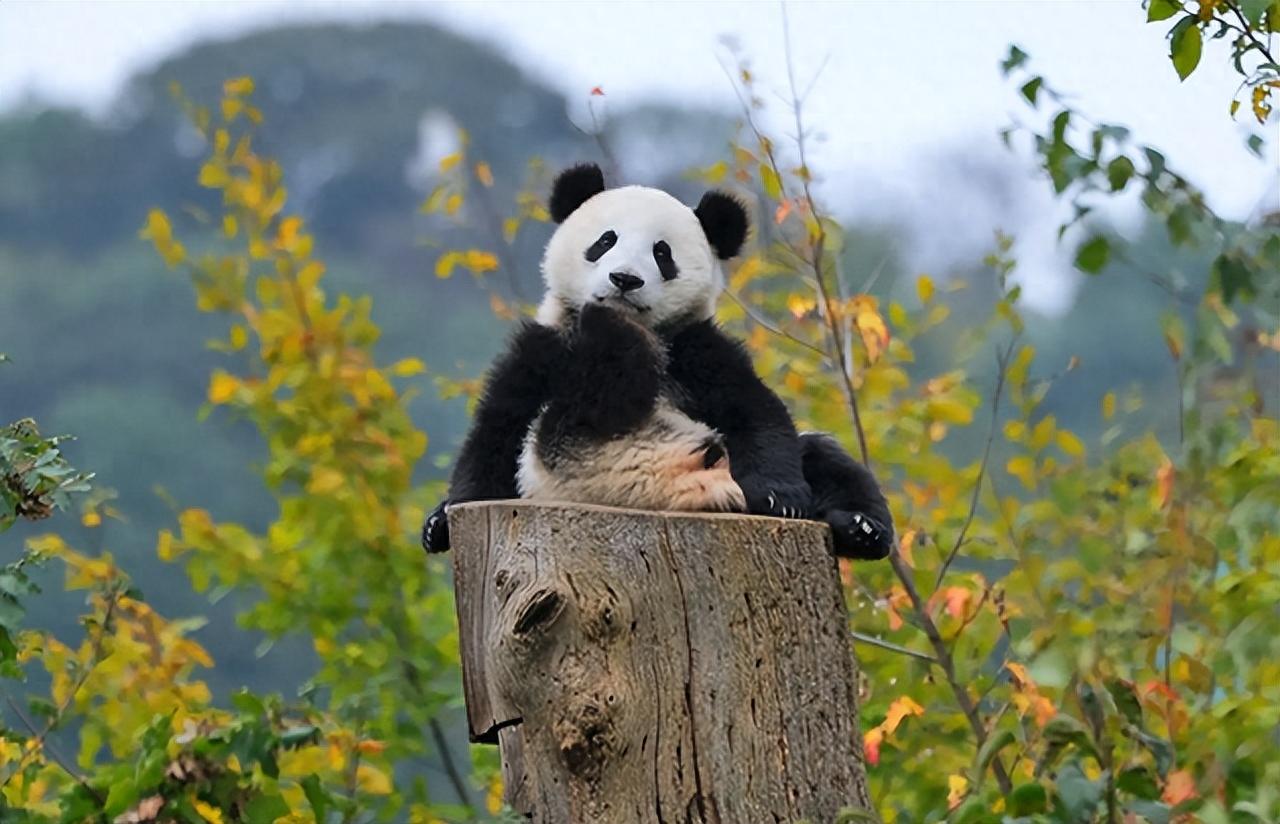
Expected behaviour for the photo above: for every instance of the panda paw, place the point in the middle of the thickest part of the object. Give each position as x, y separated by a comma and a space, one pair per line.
859, 536
435, 532
779, 500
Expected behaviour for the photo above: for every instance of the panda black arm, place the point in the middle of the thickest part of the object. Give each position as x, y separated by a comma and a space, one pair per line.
518, 384
610, 380
719, 386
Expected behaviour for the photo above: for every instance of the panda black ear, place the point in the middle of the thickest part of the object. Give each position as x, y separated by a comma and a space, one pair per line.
574, 187
724, 222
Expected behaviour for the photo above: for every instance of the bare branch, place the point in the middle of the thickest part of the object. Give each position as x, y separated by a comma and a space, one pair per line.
1002, 363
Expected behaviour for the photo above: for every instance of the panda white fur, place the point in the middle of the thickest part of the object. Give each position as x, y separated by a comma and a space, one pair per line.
624, 392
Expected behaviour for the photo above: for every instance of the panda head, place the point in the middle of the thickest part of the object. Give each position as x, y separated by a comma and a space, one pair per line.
637, 249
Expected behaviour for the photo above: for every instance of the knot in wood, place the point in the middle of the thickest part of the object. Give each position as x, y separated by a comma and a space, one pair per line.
587, 737
538, 613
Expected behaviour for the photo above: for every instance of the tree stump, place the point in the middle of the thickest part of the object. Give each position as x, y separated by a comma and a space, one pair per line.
643, 667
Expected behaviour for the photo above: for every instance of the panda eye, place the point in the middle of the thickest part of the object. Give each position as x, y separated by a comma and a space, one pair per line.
666, 264
603, 244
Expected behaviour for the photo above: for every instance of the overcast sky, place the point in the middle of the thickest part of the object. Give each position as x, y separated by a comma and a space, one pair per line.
895, 84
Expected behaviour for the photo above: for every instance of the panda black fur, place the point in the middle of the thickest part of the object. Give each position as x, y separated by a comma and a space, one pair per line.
625, 392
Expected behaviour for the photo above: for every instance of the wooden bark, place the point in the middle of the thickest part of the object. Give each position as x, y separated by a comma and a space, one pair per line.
641, 667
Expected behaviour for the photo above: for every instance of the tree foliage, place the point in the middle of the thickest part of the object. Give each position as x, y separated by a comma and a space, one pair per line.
1074, 628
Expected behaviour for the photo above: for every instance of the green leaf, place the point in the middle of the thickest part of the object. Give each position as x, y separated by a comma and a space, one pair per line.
1255, 143
991, 748
247, 702
1162, 10
1015, 59
1028, 799
1155, 162
264, 809
317, 796
1093, 254
1119, 171
1079, 795
1185, 46
1253, 10
1031, 89
1126, 701
1138, 781
1234, 277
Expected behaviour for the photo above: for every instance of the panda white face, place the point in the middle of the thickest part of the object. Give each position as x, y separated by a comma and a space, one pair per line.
636, 248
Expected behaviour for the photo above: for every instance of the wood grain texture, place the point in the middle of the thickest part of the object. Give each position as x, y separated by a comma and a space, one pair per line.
658, 667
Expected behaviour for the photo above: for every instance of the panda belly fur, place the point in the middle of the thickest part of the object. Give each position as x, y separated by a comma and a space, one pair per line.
669, 462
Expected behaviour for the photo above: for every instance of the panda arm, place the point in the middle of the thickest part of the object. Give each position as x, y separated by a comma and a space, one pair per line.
719, 386
517, 386
610, 380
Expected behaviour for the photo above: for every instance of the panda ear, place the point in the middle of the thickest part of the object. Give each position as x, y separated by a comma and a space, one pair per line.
724, 222
574, 187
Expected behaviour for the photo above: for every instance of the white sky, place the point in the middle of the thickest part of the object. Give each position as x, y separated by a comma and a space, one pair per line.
897, 82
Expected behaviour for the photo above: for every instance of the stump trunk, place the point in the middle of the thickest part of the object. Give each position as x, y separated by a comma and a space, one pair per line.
641, 667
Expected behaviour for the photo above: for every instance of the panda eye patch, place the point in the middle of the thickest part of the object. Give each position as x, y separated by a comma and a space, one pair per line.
666, 263
603, 244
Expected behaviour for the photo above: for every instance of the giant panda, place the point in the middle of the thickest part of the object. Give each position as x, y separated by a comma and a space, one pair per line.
623, 391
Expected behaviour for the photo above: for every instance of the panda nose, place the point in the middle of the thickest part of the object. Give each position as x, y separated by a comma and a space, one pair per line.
625, 281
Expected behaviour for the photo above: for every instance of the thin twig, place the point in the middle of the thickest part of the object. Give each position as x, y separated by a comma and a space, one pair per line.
769, 327
819, 245
947, 663
1002, 361
1247, 30
876, 642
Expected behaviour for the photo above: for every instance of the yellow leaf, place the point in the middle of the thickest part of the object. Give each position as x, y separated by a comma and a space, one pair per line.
213, 175
165, 546
493, 798
1022, 468
771, 182
484, 173
444, 266
239, 336
479, 262
230, 108
372, 780
924, 288
325, 481
1014, 430
510, 227
449, 161
238, 86
957, 789
1019, 672
901, 707
287, 234
452, 204
207, 812
408, 367
1108, 406
222, 387
799, 305
871, 325
1070, 444
1043, 432
949, 410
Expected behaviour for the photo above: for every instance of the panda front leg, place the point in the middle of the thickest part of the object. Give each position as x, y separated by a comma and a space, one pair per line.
847, 496
610, 382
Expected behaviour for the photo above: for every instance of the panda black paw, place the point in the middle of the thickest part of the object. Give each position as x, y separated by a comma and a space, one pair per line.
778, 500
859, 536
601, 324
435, 531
